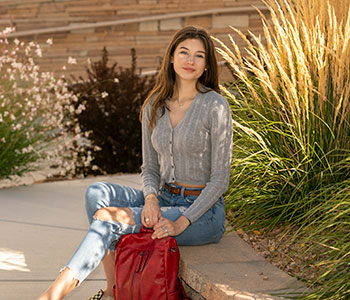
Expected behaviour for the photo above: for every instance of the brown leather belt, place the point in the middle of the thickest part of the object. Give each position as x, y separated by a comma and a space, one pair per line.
178, 191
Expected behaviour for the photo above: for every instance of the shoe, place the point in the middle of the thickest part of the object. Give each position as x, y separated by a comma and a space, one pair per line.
97, 296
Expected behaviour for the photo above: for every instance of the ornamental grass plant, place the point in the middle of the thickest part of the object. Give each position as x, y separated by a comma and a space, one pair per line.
291, 155
36, 110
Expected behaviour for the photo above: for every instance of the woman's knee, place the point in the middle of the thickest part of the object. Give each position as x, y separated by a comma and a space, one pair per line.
95, 195
119, 214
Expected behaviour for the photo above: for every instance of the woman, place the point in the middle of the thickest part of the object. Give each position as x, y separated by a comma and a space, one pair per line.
186, 145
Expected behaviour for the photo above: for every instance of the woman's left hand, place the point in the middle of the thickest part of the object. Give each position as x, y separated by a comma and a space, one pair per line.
166, 227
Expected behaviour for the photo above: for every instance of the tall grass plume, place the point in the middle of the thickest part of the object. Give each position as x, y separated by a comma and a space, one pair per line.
291, 162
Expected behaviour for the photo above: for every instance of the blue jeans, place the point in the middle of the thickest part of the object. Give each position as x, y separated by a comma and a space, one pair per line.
104, 235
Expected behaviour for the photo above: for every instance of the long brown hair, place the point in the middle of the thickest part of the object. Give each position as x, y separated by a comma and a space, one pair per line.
166, 77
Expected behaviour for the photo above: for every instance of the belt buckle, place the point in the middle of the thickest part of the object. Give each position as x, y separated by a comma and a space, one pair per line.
176, 191
172, 189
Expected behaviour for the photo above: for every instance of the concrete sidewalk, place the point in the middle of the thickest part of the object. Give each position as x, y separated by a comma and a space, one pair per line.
42, 224
40, 227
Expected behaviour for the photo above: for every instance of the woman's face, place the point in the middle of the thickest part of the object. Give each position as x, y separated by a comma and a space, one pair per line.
189, 60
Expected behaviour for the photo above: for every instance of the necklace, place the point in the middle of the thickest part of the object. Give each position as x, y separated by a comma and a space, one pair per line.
182, 104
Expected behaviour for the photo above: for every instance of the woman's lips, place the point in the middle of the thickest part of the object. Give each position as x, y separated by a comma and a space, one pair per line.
189, 70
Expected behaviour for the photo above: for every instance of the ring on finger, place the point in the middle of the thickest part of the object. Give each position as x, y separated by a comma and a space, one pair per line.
165, 229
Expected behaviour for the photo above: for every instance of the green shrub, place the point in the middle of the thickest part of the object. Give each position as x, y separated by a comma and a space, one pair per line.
112, 98
292, 134
34, 109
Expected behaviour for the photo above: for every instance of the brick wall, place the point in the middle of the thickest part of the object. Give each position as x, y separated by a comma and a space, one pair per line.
149, 38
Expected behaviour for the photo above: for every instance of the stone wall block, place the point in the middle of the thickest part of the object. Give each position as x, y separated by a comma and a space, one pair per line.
255, 21
171, 24
148, 2
51, 8
148, 26
22, 13
224, 21
203, 21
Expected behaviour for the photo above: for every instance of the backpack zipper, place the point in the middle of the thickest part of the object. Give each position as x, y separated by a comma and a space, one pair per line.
135, 273
143, 266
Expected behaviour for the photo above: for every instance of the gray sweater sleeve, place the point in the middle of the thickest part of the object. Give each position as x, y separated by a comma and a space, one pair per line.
150, 169
221, 154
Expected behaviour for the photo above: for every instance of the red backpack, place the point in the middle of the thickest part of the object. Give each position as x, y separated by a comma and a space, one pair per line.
147, 269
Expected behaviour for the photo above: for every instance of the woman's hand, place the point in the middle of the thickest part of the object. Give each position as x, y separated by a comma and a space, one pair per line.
151, 211
166, 227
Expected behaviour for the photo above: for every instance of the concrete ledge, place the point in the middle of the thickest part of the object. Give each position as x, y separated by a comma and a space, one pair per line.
230, 270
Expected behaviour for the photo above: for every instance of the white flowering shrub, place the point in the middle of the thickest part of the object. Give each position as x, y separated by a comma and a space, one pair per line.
36, 112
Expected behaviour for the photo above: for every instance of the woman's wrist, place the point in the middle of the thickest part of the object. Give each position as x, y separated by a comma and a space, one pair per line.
151, 198
182, 223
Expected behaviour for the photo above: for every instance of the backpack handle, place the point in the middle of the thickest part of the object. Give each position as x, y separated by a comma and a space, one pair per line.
146, 229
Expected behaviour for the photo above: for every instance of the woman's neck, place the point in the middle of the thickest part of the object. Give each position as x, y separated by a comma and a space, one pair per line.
185, 90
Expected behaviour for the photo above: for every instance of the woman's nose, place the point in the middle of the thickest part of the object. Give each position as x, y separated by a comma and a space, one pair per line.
190, 59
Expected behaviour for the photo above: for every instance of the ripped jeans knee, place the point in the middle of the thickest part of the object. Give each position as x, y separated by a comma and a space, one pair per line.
117, 214
102, 236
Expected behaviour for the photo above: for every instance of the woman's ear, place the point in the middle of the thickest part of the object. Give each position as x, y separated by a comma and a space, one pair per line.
171, 59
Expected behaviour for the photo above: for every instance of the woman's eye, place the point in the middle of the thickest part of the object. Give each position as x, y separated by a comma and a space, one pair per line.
200, 56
